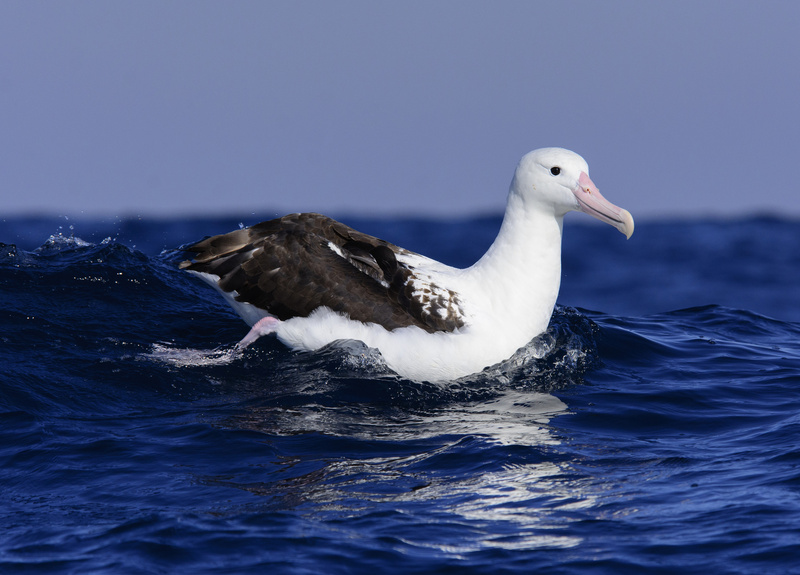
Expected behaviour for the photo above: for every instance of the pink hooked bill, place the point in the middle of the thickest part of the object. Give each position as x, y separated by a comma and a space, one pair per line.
592, 202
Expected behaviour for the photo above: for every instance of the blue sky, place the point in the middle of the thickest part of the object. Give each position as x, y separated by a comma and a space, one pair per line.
681, 108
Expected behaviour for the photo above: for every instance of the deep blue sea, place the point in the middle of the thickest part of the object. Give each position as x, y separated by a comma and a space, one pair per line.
655, 430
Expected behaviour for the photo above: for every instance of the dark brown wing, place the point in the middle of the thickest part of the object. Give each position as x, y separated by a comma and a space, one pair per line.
292, 265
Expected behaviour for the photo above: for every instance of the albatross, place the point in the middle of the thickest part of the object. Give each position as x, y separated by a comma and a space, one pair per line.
311, 280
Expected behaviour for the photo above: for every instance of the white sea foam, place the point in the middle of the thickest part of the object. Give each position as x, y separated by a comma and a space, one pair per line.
188, 357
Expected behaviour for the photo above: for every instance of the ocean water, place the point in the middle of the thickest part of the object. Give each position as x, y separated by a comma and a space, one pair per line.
655, 428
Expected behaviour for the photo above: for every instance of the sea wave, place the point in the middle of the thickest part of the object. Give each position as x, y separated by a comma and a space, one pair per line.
133, 438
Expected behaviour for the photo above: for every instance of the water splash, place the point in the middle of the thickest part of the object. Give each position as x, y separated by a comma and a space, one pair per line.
189, 357
58, 242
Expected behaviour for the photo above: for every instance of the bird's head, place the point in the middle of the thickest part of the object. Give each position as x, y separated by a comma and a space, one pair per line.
557, 180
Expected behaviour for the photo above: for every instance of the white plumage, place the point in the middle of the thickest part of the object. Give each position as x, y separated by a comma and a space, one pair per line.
484, 312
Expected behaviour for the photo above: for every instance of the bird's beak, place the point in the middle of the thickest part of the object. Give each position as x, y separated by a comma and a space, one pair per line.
590, 201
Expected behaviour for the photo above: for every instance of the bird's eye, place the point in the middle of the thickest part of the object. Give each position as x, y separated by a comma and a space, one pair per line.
555, 170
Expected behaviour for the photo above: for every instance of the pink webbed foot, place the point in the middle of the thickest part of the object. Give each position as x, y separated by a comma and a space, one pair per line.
264, 326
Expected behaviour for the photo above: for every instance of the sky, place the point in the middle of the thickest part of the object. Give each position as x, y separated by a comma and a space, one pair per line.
187, 108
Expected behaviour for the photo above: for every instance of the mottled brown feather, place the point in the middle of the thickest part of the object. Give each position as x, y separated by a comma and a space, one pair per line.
287, 267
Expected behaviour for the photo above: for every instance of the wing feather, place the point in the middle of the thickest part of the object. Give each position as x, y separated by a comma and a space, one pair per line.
292, 265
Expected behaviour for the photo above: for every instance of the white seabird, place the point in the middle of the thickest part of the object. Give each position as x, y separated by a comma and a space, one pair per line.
311, 280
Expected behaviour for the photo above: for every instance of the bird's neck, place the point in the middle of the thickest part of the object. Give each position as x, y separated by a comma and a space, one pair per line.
520, 274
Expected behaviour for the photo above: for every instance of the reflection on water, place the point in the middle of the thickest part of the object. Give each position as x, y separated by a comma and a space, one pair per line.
354, 448
492, 463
